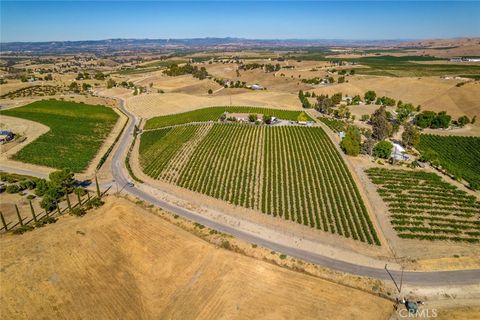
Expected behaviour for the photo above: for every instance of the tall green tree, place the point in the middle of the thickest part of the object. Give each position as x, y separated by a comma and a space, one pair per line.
351, 142
425, 119
410, 136
381, 127
370, 96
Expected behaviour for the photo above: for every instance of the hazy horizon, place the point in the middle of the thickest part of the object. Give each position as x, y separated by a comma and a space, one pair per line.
44, 21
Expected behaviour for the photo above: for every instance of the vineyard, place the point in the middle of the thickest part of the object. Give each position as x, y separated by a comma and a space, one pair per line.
459, 156
290, 172
214, 113
422, 206
76, 133
334, 124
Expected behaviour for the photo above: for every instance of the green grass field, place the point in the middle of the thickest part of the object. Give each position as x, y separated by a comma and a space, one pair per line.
460, 156
290, 172
214, 113
77, 131
423, 206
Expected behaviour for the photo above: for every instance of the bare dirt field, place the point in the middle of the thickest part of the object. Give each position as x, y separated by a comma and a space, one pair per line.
123, 262
432, 93
150, 105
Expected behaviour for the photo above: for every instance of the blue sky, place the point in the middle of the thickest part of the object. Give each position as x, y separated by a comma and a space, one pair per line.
92, 20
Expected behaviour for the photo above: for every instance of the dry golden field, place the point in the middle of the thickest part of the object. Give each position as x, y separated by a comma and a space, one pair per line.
432, 93
13, 85
150, 105
123, 262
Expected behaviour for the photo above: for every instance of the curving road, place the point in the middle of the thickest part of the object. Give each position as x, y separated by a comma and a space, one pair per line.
434, 278
458, 277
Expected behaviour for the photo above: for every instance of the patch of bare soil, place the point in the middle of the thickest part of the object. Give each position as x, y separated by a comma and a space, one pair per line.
122, 262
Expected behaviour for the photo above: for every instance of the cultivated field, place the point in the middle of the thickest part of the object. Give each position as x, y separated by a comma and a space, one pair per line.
291, 172
459, 156
156, 104
423, 206
214, 113
121, 262
76, 133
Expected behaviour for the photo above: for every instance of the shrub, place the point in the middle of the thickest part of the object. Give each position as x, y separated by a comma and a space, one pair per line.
93, 203
22, 229
46, 220
226, 244
80, 191
48, 203
12, 188
383, 149
78, 211
27, 184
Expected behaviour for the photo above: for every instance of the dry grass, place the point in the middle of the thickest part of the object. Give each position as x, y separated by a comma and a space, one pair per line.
13, 85
151, 105
122, 262
431, 93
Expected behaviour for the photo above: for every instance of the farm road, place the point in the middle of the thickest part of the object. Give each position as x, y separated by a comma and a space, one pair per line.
434, 278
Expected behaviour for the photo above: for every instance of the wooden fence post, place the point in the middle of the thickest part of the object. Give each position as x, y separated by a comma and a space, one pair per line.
33, 211
79, 199
98, 188
58, 208
3, 221
46, 212
19, 216
88, 195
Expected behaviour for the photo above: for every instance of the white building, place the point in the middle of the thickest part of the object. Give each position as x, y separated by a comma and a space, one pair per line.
398, 152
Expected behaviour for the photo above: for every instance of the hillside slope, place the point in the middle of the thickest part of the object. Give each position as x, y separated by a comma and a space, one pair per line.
123, 262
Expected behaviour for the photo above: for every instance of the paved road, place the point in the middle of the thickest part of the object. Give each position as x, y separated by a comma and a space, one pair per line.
459, 277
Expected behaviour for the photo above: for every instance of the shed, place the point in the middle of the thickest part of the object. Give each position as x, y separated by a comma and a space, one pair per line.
398, 152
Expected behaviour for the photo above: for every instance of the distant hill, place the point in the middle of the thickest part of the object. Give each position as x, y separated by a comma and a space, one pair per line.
194, 43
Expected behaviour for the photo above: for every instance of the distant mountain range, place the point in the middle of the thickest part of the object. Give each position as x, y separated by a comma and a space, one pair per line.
179, 44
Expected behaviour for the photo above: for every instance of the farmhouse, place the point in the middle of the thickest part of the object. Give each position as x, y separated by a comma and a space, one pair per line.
398, 152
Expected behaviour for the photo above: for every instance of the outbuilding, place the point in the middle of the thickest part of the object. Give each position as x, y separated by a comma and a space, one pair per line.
398, 152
